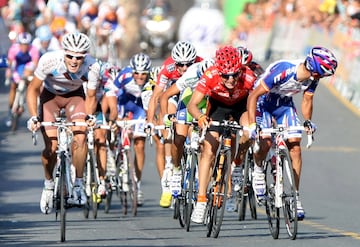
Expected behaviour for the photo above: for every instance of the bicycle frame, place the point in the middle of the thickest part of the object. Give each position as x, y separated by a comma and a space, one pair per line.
280, 174
218, 188
63, 180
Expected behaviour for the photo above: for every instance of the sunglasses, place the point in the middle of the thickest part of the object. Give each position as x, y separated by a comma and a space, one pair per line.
183, 64
141, 73
71, 57
227, 76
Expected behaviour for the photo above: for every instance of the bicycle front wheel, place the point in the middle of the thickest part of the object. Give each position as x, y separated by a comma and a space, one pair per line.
289, 195
272, 212
191, 191
63, 196
247, 192
95, 198
220, 195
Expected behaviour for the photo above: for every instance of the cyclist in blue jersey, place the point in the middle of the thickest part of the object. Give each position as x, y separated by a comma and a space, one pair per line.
129, 85
272, 99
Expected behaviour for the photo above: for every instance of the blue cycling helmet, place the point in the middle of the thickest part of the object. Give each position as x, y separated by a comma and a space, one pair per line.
322, 61
44, 33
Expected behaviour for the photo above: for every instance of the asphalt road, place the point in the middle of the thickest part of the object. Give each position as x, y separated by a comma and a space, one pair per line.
329, 194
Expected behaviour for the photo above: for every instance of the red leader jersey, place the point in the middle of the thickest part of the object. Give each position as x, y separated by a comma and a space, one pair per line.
211, 84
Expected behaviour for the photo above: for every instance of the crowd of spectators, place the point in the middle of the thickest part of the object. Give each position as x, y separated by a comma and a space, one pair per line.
327, 15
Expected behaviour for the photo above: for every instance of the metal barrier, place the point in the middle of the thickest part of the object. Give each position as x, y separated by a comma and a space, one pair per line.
288, 39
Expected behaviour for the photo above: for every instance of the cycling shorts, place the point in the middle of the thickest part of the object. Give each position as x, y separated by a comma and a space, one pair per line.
182, 114
283, 115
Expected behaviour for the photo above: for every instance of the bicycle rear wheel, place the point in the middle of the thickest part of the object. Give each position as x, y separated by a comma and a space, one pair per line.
220, 195
289, 195
63, 197
272, 212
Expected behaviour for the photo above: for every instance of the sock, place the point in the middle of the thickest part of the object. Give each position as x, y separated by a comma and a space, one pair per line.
201, 198
49, 184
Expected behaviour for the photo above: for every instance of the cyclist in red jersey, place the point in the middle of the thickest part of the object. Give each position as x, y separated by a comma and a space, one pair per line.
227, 85
182, 56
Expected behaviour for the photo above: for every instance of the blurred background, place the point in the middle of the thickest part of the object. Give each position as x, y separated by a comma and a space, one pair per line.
271, 29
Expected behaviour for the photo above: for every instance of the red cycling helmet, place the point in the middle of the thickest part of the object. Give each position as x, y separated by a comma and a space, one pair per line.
227, 60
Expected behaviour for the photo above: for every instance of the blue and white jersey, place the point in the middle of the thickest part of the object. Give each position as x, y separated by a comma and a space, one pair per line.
128, 89
280, 81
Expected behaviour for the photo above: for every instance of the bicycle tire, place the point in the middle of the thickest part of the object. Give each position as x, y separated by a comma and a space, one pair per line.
93, 184
14, 121
133, 188
272, 212
180, 202
245, 188
289, 197
209, 220
251, 194
192, 190
63, 195
108, 197
221, 196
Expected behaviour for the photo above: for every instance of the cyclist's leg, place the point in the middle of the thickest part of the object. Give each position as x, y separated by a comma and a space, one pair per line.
210, 146
101, 150
49, 156
75, 111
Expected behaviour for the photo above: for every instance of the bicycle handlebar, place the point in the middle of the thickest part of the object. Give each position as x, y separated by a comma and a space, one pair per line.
281, 129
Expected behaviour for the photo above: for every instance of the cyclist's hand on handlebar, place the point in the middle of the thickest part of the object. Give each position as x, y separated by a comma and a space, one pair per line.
203, 121
168, 119
252, 131
113, 125
149, 128
33, 124
310, 126
90, 120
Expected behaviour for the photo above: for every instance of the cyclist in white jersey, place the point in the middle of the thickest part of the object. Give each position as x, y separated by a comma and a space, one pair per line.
184, 86
272, 99
58, 81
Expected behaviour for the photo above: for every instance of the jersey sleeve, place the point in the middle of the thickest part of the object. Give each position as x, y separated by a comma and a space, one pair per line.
94, 76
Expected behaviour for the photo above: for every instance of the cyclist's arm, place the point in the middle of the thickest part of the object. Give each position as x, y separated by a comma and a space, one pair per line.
111, 104
153, 103
307, 105
252, 100
173, 90
32, 94
193, 104
90, 101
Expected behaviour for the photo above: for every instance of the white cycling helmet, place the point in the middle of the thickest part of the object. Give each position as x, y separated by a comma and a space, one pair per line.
246, 55
183, 52
76, 42
140, 62
24, 38
206, 64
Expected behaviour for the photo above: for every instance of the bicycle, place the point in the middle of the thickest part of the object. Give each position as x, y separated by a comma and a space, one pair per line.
185, 201
246, 192
217, 192
280, 182
63, 190
126, 180
91, 174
